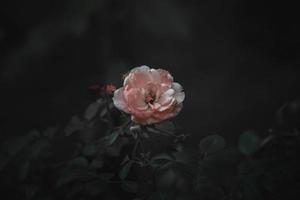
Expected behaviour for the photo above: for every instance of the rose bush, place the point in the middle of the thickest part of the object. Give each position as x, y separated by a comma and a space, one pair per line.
149, 95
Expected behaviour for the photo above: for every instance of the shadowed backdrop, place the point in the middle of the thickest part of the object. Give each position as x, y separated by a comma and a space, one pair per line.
237, 60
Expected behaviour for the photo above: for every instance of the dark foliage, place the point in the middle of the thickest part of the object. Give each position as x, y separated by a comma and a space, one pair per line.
103, 154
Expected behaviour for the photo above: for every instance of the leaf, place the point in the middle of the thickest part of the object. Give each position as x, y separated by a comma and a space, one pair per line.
248, 143
92, 110
37, 148
89, 150
23, 170
125, 160
110, 139
161, 161
123, 173
162, 157
97, 163
103, 113
130, 186
74, 125
78, 162
212, 144
13, 146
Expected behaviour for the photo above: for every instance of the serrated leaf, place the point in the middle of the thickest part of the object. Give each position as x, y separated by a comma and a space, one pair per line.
248, 143
212, 144
92, 110
130, 186
75, 124
125, 170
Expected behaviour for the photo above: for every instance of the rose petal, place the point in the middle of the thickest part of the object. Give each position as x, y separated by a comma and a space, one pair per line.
119, 100
179, 94
166, 97
138, 76
165, 77
135, 99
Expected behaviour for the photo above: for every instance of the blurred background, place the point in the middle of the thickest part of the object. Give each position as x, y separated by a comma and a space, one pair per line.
237, 60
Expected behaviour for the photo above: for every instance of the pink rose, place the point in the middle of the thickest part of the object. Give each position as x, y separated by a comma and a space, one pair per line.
149, 95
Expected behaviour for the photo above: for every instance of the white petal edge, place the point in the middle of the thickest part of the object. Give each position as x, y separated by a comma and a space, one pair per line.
179, 94
119, 100
143, 68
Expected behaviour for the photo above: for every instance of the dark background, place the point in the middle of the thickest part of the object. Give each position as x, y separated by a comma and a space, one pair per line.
237, 60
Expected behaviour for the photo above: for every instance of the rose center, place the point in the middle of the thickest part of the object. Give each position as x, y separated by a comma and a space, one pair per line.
150, 99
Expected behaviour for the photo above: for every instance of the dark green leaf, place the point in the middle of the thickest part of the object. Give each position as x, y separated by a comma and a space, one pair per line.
130, 186
89, 150
14, 145
249, 143
110, 139
79, 162
97, 163
125, 160
162, 161
162, 157
37, 148
212, 144
125, 170
74, 125
92, 110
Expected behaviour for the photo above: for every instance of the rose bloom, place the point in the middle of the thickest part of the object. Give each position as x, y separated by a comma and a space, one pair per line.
149, 95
